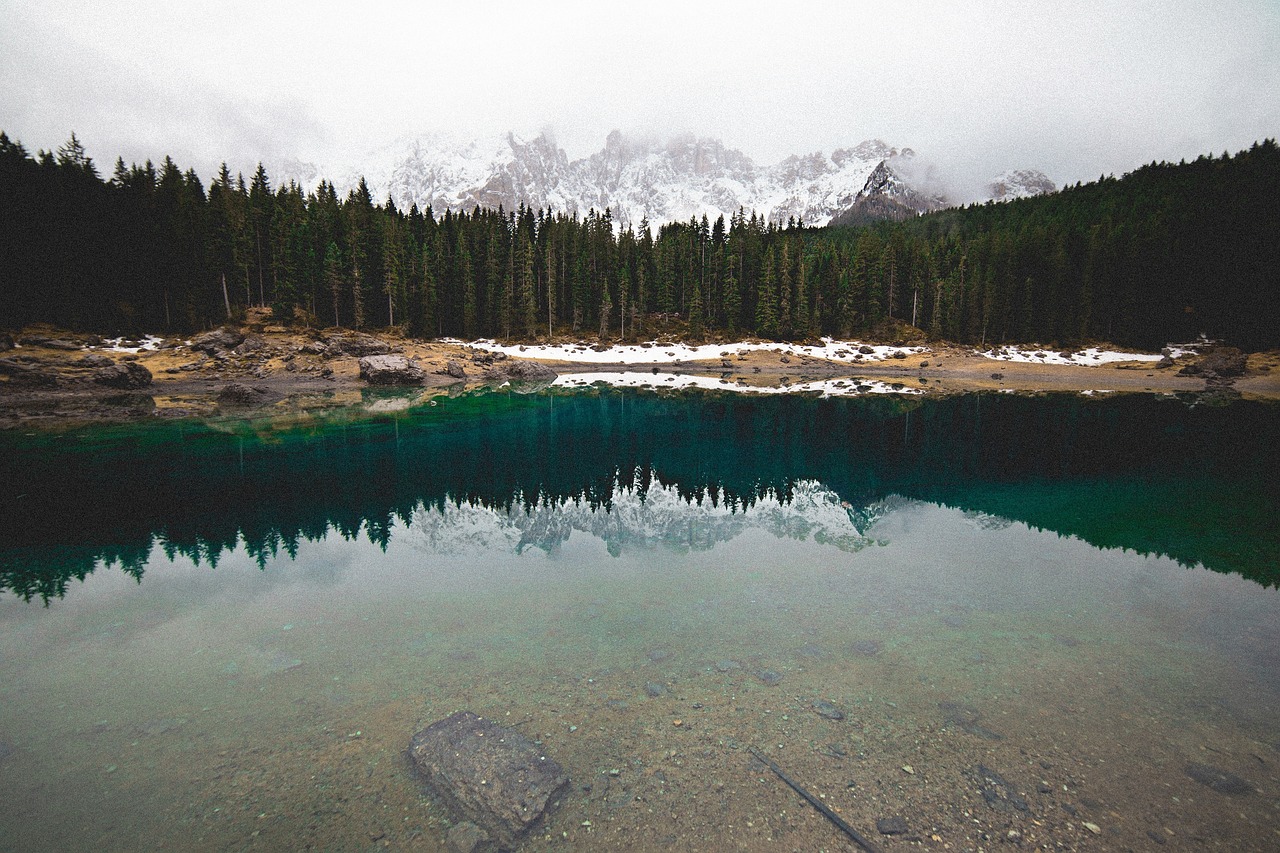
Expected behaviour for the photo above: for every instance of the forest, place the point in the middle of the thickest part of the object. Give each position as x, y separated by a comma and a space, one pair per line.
1164, 253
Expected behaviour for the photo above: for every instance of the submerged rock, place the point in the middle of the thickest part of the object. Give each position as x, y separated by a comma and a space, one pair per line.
466, 837
998, 791
866, 648
1219, 780
965, 717
826, 709
811, 650
491, 776
891, 825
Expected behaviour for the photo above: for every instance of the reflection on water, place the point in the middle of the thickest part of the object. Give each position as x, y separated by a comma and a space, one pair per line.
999, 683
1151, 475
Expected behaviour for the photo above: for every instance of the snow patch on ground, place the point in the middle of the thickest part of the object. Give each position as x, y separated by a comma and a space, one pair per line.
1091, 357
825, 387
659, 353
150, 343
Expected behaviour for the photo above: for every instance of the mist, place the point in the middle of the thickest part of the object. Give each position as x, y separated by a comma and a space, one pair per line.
1076, 90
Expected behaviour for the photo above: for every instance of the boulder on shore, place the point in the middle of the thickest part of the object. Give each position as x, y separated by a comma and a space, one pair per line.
239, 394
516, 370
28, 372
390, 370
355, 343
126, 374
491, 776
1223, 364
217, 341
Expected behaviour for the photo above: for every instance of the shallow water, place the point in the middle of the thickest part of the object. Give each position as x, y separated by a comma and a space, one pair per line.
1062, 682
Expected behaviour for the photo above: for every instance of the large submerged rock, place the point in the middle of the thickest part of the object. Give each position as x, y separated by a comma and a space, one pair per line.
491, 776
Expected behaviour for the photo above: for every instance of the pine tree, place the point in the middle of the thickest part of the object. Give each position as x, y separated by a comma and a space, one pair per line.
470, 312
551, 289
732, 298
766, 298
696, 319
785, 282
333, 278
528, 290
261, 202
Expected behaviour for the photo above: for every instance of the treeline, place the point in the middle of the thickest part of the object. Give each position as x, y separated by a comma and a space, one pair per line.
1162, 254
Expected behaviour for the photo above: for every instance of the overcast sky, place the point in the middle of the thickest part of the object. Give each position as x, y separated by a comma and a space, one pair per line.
1075, 89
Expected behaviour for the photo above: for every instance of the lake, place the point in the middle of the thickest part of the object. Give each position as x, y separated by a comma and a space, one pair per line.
1044, 620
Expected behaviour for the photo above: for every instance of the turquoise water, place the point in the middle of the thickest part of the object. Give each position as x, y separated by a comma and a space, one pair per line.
221, 636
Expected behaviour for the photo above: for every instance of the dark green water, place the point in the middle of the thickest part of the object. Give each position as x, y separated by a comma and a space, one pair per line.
220, 636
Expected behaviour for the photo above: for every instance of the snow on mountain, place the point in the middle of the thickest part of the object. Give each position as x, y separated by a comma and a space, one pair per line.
659, 518
685, 177
1020, 183
897, 188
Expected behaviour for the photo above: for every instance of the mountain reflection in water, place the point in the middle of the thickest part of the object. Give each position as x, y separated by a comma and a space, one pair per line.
1148, 474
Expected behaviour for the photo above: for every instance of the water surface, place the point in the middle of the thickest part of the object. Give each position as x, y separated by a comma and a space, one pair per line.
1044, 616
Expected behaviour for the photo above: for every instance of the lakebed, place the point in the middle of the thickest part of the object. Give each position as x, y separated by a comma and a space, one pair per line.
1041, 620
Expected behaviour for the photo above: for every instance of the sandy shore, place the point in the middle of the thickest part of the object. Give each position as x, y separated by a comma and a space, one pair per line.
284, 370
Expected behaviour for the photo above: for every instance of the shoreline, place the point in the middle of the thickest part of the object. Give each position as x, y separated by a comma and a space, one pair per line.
55, 378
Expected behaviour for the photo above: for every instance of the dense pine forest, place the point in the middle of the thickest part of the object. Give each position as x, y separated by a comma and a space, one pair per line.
1161, 254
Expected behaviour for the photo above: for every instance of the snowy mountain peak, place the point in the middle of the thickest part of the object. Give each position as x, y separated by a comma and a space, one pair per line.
671, 180
889, 194
1020, 183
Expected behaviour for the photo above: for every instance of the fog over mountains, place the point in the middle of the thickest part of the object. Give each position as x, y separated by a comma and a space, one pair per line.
662, 181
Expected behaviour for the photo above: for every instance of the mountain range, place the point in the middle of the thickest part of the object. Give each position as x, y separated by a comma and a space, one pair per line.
662, 181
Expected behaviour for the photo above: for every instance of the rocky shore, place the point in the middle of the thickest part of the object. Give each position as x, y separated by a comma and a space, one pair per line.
52, 376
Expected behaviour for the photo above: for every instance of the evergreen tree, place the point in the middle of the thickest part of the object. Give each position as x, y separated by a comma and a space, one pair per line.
333, 279
766, 300
528, 290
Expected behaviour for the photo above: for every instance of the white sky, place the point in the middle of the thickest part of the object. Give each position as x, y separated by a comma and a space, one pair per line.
1075, 89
